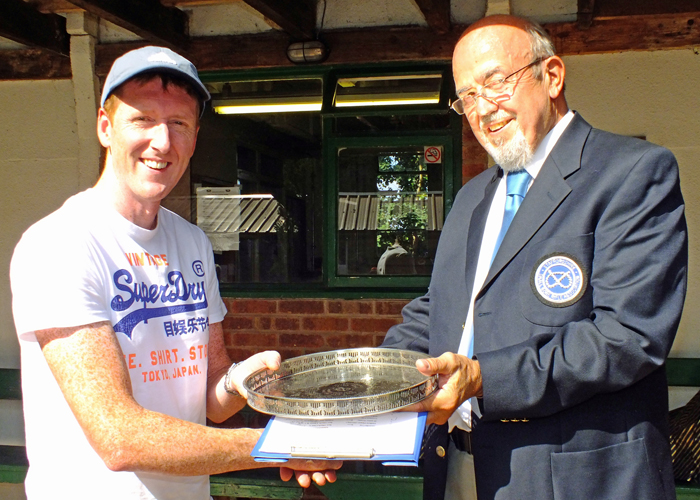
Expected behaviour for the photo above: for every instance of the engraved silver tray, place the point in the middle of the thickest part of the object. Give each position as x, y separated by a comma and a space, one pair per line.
340, 384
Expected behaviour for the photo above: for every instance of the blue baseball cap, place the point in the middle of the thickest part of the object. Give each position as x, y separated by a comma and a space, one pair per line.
152, 58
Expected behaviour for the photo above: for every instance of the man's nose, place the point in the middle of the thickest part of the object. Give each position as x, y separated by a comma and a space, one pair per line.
160, 137
485, 106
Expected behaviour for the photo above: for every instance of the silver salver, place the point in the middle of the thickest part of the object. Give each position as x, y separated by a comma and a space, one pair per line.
340, 384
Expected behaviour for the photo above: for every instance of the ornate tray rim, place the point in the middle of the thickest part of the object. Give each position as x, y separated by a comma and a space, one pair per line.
326, 408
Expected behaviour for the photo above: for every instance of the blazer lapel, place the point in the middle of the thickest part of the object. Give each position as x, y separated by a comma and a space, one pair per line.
546, 193
476, 229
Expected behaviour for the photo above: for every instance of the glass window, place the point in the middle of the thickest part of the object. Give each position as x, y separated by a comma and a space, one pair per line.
255, 187
388, 90
390, 211
265, 181
267, 96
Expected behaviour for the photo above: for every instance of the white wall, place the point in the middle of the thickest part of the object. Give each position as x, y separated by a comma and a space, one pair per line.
652, 94
39, 171
38, 165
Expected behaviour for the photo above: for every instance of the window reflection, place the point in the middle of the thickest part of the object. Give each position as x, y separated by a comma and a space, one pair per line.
390, 211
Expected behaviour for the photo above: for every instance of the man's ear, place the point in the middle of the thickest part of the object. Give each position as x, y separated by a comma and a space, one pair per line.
104, 128
555, 72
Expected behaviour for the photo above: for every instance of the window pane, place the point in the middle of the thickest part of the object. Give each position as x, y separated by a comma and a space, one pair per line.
390, 211
388, 90
368, 125
266, 96
255, 187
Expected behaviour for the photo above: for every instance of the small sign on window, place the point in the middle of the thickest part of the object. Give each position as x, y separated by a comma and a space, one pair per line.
432, 154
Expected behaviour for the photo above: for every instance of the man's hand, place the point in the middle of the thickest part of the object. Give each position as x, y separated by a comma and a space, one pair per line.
459, 378
320, 471
270, 360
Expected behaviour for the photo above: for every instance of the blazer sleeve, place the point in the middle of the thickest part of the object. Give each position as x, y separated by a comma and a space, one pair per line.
638, 280
413, 333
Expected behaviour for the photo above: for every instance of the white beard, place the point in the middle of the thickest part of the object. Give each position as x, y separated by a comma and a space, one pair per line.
514, 154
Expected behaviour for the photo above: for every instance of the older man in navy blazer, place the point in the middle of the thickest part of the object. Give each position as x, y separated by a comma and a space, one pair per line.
550, 335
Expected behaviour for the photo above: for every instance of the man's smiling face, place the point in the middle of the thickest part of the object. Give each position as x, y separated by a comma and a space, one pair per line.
150, 137
511, 129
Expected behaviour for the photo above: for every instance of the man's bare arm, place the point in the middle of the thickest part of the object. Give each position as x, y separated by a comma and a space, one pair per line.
88, 363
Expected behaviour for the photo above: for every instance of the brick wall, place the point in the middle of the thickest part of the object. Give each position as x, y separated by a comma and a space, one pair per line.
295, 327
475, 159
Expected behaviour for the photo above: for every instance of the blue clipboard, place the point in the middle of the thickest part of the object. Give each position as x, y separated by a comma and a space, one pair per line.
410, 459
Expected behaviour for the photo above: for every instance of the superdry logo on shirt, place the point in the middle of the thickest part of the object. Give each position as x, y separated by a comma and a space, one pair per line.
175, 295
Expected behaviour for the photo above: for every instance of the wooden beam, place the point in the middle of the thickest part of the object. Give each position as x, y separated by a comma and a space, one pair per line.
640, 33
23, 24
634, 33
146, 18
436, 14
298, 18
63, 6
33, 64
622, 8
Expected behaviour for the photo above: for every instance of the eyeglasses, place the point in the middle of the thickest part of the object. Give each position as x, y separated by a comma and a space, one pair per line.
495, 91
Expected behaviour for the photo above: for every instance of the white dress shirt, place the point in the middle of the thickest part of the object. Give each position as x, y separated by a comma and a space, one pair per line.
462, 416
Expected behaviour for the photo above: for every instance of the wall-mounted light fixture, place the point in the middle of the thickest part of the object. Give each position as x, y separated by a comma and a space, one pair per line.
307, 52
250, 106
277, 95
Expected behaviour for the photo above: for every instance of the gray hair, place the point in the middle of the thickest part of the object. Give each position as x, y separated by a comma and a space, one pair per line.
541, 46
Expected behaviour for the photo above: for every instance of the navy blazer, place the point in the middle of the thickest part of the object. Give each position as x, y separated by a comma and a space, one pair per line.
574, 391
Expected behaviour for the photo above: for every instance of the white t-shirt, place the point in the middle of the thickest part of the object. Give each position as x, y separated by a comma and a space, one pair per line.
83, 264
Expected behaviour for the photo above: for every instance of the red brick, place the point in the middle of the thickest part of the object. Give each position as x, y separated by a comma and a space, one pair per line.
237, 354
258, 340
291, 353
263, 323
474, 157
392, 307
248, 306
326, 324
348, 341
380, 325
286, 324
349, 307
300, 340
238, 323
301, 306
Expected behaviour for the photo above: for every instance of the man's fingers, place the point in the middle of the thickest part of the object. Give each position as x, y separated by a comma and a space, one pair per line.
431, 366
271, 360
303, 478
286, 473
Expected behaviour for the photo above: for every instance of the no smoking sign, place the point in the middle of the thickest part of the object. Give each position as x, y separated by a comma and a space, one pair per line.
432, 154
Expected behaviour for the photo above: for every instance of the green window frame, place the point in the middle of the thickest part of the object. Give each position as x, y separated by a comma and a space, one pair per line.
333, 285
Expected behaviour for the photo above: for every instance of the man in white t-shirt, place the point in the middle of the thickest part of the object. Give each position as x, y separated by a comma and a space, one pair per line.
117, 308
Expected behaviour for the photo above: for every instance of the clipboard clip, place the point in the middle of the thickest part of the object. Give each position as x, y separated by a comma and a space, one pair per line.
310, 452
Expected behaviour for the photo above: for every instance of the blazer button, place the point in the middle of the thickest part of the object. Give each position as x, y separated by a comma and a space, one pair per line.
463, 325
440, 451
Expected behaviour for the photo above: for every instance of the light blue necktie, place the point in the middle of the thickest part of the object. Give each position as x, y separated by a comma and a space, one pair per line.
516, 189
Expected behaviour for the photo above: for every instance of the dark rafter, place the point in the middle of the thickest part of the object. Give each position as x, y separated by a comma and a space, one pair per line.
298, 17
436, 14
33, 64
377, 45
21, 23
148, 19
584, 16
634, 33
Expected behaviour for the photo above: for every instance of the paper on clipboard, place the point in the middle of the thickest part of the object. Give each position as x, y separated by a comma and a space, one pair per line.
392, 438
